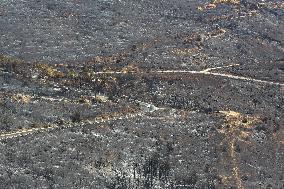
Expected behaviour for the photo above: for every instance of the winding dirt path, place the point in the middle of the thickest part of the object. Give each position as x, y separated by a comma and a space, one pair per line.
50, 127
207, 71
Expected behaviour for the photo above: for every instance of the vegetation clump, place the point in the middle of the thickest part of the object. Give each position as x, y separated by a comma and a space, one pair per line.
214, 4
9, 59
49, 71
10, 64
130, 69
101, 98
72, 74
234, 2
184, 51
116, 58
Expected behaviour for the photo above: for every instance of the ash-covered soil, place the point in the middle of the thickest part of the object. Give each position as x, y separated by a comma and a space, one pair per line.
146, 94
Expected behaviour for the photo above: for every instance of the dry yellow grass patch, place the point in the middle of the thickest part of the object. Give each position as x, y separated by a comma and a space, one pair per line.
237, 128
21, 98
238, 125
238, 121
214, 4
225, 179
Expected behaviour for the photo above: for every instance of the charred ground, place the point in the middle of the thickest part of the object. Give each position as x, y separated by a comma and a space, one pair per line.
141, 94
